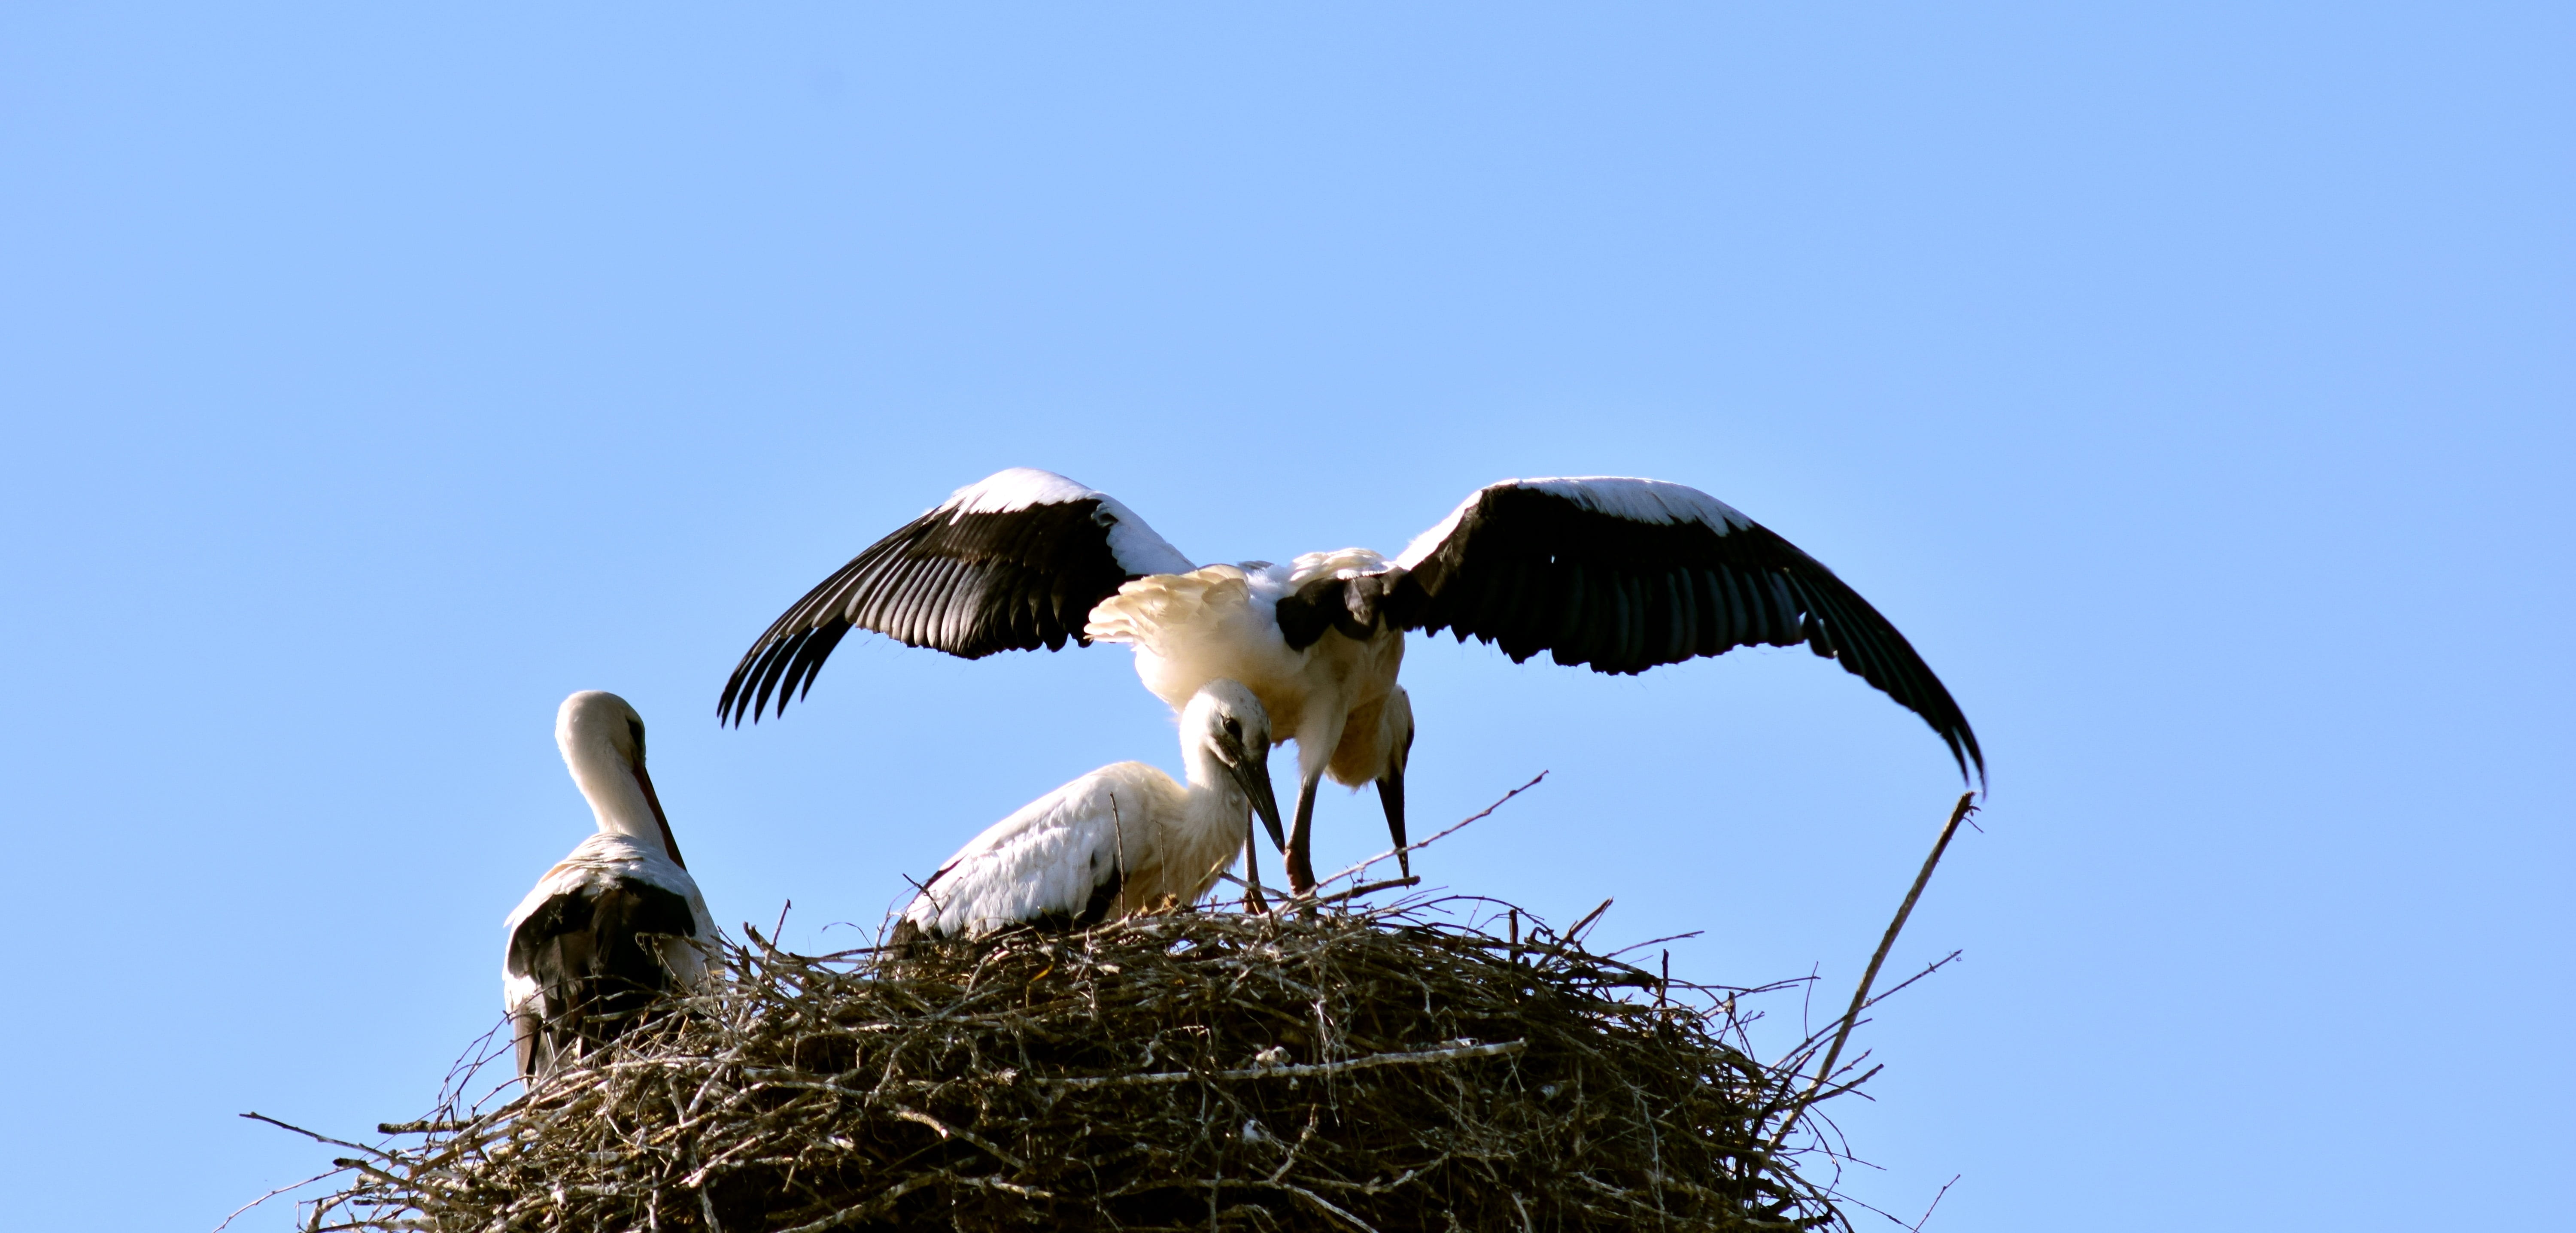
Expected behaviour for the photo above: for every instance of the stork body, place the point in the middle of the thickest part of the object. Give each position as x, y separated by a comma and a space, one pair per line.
1327, 695
610, 928
1613, 573
1124, 839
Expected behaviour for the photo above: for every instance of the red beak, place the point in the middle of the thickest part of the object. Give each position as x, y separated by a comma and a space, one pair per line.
669, 844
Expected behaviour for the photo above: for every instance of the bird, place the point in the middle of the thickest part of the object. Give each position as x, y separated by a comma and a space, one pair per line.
1616, 573
617, 922
1124, 839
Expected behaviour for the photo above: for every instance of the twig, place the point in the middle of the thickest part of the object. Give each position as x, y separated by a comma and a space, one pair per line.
1318, 1200
320, 1138
885, 1200
1928, 969
1860, 996
919, 888
1865, 1076
1669, 937
228, 1220
945, 1130
1574, 936
707, 1210
1917, 1226
1370, 889
1478, 816
1302, 1070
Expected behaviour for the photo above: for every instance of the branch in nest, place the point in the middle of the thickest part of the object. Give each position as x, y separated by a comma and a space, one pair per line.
1300, 1070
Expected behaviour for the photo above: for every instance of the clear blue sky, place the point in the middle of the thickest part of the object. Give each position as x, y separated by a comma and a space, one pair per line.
2191, 382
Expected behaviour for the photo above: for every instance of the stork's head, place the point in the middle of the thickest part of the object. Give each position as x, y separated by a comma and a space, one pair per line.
596, 721
602, 739
1225, 722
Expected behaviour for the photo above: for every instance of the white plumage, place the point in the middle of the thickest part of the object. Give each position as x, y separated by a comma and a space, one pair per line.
1135, 545
1123, 839
1223, 621
612, 925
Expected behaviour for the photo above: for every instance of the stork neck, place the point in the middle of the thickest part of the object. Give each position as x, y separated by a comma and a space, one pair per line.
616, 799
1212, 782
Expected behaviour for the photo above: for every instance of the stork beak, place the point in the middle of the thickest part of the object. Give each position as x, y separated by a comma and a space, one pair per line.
1390, 793
653, 799
1253, 772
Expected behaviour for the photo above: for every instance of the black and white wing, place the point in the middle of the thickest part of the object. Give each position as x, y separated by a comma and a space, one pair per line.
1013, 562
589, 957
1626, 574
1058, 862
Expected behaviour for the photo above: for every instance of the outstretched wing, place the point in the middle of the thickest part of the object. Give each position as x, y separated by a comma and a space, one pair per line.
1011, 563
1626, 574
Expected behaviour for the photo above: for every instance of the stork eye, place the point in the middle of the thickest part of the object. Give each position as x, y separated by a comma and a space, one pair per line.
1233, 728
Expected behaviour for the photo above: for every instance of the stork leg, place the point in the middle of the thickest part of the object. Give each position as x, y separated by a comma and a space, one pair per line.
1301, 833
1317, 737
1252, 898
1390, 793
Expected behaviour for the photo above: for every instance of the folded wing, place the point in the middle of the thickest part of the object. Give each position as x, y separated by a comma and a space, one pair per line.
1059, 862
589, 961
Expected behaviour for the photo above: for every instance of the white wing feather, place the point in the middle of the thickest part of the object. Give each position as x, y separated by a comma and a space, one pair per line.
1637, 500
1136, 547
1049, 858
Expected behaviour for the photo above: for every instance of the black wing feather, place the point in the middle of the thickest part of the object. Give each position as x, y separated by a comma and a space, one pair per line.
969, 584
1530, 571
598, 966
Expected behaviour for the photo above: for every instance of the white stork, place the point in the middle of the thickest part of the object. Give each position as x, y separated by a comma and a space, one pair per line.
1620, 574
1123, 839
611, 927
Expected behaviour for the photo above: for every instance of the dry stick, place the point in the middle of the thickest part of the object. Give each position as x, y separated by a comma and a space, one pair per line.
1309, 898
319, 1138
1935, 966
228, 1220
1370, 889
1669, 937
707, 1211
1917, 1226
945, 1130
1477, 816
1318, 1200
1504, 1049
1574, 936
1860, 996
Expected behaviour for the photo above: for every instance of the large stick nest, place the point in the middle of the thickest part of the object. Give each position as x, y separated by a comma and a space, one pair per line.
1338, 1069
